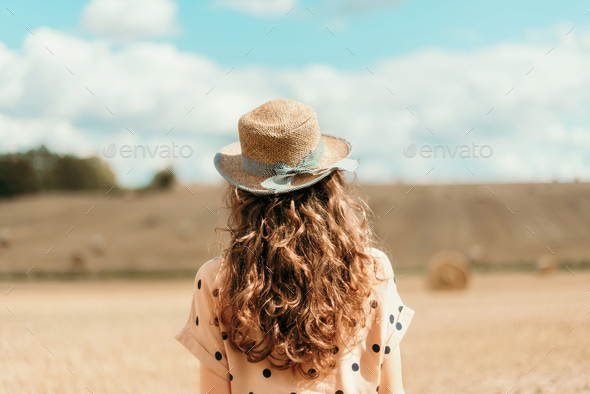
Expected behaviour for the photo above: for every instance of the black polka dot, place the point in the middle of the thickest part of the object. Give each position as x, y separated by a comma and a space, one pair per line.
335, 349
215, 292
197, 321
231, 377
355, 367
376, 348
398, 325
339, 392
266, 373
374, 304
224, 335
218, 356
391, 319
250, 392
311, 371
199, 284
387, 349
377, 389
400, 308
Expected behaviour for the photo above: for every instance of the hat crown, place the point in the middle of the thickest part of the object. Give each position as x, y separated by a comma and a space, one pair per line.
279, 130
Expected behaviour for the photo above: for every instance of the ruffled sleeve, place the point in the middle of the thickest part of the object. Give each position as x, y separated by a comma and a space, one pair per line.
396, 316
201, 335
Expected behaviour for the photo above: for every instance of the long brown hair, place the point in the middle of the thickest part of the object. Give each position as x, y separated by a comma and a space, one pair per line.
298, 267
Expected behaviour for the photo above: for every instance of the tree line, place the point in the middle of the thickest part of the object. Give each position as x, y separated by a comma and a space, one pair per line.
42, 170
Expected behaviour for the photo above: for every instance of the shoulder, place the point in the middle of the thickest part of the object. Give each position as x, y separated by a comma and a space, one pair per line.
385, 264
379, 253
208, 271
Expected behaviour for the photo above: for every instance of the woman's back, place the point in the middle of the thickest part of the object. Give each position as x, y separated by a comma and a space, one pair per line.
358, 368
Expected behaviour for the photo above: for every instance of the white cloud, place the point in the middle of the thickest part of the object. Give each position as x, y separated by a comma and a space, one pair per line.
257, 7
130, 19
539, 131
57, 134
281, 7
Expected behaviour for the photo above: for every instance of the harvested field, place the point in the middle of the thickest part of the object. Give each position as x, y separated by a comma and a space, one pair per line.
117, 336
174, 230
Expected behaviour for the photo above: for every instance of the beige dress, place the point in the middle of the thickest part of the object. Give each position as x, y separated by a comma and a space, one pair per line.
358, 369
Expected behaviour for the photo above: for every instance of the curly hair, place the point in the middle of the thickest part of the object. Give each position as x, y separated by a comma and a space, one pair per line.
298, 267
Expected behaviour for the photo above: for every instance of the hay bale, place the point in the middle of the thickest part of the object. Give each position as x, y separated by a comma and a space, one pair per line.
476, 254
448, 270
546, 264
78, 258
151, 221
186, 229
98, 244
6, 238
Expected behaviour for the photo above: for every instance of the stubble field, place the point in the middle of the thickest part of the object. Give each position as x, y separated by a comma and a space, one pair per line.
117, 336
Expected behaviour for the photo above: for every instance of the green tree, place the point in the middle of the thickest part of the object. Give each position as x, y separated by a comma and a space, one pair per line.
17, 175
163, 180
40, 169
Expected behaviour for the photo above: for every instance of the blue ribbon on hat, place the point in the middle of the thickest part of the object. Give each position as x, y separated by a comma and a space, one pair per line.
281, 175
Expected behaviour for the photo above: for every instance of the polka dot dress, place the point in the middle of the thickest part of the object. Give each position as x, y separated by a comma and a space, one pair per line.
358, 368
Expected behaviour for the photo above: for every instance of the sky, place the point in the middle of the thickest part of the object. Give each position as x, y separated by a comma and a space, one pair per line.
500, 87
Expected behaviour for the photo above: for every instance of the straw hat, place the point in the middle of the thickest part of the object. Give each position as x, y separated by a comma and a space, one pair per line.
281, 149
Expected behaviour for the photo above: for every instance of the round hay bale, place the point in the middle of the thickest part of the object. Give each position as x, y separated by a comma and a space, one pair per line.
448, 270
186, 229
476, 254
151, 221
5, 238
78, 258
546, 264
98, 244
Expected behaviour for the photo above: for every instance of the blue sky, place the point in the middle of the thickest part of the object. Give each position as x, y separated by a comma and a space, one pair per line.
301, 38
448, 63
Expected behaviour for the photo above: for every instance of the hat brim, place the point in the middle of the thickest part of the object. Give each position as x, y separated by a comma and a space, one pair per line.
228, 162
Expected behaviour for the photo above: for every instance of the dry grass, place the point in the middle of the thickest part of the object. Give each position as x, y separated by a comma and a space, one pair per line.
175, 230
117, 337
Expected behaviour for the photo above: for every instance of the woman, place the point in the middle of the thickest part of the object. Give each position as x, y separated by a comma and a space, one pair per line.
299, 301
